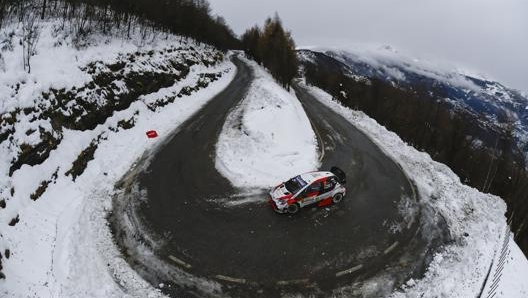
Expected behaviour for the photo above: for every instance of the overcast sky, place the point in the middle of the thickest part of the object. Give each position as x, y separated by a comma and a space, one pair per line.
488, 37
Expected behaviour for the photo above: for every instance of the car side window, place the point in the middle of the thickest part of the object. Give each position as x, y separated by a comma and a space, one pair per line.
314, 187
329, 184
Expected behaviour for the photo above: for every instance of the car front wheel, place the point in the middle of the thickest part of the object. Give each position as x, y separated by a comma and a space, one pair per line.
337, 198
293, 208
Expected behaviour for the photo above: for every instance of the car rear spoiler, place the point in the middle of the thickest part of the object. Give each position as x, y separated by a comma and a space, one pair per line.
341, 176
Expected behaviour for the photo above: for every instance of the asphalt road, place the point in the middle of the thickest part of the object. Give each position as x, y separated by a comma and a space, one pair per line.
248, 250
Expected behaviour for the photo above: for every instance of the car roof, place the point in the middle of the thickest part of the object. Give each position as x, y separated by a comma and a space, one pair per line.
313, 176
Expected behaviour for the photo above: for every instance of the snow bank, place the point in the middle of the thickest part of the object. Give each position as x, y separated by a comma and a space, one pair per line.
508, 277
62, 245
267, 138
476, 220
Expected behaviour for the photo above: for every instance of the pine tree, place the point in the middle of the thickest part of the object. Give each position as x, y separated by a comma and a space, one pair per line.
274, 48
250, 43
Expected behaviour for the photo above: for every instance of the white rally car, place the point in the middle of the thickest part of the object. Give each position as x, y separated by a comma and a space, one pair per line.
321, 188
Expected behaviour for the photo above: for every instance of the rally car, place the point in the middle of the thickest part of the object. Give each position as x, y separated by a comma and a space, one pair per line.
321, 188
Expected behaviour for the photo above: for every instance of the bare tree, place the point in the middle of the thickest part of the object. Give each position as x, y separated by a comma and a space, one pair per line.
80, 25
30, 35
44, 6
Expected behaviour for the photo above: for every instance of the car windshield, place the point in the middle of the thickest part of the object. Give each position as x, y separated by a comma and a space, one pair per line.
294, 184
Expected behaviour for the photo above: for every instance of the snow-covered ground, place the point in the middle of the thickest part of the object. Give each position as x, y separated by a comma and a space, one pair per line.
476, 222
61, 245
267, 138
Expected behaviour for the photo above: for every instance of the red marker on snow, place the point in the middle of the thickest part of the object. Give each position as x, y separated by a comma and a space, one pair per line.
152, 134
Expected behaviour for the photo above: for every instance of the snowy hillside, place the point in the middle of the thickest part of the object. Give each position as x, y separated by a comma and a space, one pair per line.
482, 241
68, 131
475, 126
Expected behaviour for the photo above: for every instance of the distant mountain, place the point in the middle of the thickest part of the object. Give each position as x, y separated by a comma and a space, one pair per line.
498, 104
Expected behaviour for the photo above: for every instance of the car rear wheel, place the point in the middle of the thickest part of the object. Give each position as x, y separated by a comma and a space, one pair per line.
337, 198
293, 208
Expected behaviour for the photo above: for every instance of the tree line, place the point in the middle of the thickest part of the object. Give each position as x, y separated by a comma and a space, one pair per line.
483, 155
189, 18
274, 48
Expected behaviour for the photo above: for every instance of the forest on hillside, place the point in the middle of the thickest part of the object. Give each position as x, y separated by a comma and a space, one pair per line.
274, 48
189, 18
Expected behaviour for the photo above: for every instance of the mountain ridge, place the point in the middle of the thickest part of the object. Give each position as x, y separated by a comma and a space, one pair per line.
498, 103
